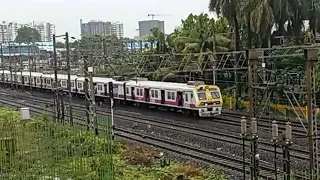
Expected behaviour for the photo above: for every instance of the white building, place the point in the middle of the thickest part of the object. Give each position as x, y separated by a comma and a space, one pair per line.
9, 30
117, 29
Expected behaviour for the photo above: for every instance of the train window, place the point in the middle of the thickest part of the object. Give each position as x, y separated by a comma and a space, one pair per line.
72, 84
99, 87
152, 93
79, 85
127, 90
169, 95
191, 95
173, 95
31, 80
63, 83
186, 98
202, 96
156, 93
48, 81
215, 94
38, 81
141, 94
26, 79
41, 80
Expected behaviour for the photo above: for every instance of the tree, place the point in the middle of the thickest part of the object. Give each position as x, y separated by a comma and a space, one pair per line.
60, 45
230, 10
28, 34
254, 19
199, 33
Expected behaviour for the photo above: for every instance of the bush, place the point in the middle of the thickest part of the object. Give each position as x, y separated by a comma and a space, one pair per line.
42, 149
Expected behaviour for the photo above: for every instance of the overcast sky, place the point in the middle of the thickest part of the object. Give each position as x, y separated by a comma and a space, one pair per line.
66, 14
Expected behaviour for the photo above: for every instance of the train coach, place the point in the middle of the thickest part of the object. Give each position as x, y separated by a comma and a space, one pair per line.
193, 97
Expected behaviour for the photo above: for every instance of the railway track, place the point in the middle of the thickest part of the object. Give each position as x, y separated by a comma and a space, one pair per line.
298, 129
181, 148
225, 137
200, 131
202, 154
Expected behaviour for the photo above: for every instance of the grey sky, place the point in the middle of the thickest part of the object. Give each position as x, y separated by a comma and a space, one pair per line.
65, 14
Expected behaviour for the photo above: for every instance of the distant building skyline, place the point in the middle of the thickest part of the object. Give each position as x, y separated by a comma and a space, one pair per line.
104, 28
145, 27
9, 30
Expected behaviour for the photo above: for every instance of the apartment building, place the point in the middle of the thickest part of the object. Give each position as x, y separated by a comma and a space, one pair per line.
95, 27
9, 30
145, 27
117, 29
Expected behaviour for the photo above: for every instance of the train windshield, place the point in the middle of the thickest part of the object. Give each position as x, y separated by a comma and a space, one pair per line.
202, 96
215, 94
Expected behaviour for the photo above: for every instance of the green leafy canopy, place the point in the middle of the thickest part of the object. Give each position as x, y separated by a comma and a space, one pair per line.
27, 35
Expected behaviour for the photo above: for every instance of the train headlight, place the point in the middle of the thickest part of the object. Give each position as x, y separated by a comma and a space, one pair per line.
202, 104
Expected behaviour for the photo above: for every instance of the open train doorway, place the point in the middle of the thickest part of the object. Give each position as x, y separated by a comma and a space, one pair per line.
146, 94
132, 93
180, 98
163, 97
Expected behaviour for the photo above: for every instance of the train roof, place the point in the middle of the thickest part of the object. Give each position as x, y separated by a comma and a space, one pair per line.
104, 80
162, 85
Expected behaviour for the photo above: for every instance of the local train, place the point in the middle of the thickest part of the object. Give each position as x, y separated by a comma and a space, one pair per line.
193, 97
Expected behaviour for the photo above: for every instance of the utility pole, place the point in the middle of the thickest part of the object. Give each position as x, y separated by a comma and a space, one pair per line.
69, 79
252, 55
214, 74
2, 57
55, 84
89, 87
15, 66
21, 68
311, 60
2, 64
29, 65
10, 66
90, 96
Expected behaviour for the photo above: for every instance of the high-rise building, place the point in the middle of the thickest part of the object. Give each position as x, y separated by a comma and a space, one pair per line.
9, 30
145, 27
117, 29
50, 30
101, 28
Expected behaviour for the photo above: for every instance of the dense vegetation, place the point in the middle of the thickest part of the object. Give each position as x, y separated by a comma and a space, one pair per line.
241, 24
42, 149
27, 35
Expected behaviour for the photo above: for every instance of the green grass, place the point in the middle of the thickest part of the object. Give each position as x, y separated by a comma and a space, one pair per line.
41, 148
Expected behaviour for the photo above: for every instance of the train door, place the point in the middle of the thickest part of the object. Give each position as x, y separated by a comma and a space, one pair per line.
180, 98
146, 94
163, 97
95, 88
106, 89
34, 81
41, 82
22, 80
132, 93
76, 85
124, 92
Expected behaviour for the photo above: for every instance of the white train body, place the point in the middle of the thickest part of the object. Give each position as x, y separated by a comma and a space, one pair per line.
200, 99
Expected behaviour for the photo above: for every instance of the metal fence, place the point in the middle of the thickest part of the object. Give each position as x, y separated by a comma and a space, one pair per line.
42, 149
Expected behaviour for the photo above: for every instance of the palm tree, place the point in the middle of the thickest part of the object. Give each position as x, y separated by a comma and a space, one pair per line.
199, 33
261, 18
230, 10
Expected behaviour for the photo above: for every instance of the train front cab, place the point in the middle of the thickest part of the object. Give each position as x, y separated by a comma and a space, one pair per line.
209, 100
